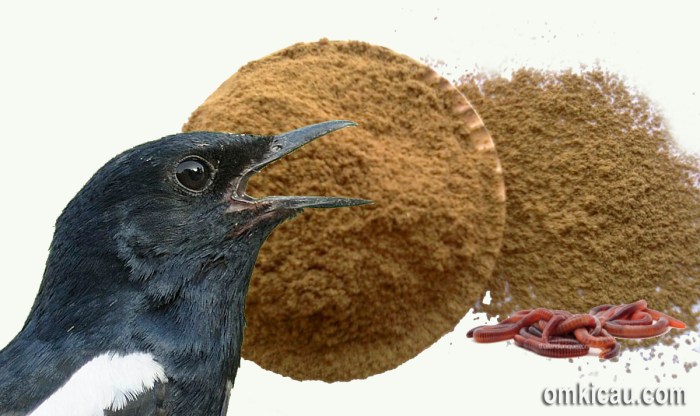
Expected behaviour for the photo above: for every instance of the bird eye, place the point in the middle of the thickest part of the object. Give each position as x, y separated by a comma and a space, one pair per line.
194, 174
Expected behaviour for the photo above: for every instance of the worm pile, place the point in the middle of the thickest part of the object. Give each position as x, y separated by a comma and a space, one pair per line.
561, 334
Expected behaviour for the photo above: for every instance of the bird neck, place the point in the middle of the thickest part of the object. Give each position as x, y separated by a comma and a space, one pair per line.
190, 318
198, 337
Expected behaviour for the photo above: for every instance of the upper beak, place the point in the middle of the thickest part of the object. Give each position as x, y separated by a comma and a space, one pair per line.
284, 144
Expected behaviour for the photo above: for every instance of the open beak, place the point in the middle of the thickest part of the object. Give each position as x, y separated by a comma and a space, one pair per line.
282, 145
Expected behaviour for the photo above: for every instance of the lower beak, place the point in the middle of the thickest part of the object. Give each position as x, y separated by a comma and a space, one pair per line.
284, 144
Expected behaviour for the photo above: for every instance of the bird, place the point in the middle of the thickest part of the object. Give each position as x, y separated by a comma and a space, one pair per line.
141, 308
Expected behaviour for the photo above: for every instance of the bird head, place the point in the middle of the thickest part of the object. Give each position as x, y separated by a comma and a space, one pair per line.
172, 210
154, 255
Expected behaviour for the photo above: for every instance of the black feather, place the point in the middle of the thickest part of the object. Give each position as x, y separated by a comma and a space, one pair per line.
142, 261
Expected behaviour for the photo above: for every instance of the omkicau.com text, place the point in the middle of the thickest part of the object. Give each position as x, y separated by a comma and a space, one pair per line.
589, 395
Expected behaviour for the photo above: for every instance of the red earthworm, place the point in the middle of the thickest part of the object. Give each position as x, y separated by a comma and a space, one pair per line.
534, 316
598, 326
637, 331
495, 333
607, 313
562, 312
551, 350
580, 321
534, 331
584, 337
548, 332
637, 318
515, 317
672, 322
504, 331
564, 340
628, 309
525, 333
639, 314
470, 333
600, 308
551, 327
611, 352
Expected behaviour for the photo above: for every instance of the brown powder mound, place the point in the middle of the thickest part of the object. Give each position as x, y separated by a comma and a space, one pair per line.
349, 293
602, 208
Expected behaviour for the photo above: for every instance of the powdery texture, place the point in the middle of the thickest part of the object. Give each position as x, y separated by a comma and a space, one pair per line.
601, 206
348, 293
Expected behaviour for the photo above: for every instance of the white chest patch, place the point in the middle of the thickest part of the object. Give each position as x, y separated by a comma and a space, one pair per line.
108, 381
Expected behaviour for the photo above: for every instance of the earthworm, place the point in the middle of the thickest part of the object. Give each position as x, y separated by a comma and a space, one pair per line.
562, 312
606, 314
637, 331
504, 331
534, 316
515, 317
526, 333
551, 327
672, 322
561, 334
628, 309
600, 308
639, 314
495, 333
584, 337
564, 340
470, 333
611, 352
580, 321
637, 318
551, 350
534, 331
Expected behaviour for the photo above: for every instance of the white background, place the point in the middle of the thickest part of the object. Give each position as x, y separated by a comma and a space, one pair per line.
82, 81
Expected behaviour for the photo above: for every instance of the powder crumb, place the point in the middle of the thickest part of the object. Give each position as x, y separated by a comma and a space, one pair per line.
602, 206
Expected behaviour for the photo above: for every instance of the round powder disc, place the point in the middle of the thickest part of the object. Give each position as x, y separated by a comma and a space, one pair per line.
347, 293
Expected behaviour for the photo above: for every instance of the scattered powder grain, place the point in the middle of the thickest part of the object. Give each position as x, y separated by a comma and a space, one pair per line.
348, 293
602, 207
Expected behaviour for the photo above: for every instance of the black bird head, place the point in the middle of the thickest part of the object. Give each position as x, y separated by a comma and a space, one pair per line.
155, 254
178, 205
